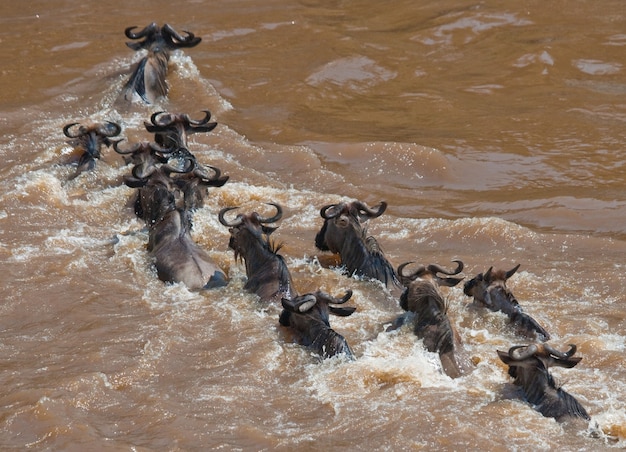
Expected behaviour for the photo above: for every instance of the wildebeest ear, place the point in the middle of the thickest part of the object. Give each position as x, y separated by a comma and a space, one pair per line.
449, 282
341, 311
267, 230
136, 45
564, 362
504, 357
288, 304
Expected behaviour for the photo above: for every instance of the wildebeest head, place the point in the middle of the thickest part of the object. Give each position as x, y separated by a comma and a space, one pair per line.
171, 130
155, 197
431, 323
345, 232
342, 220
157, 38
249, 231
146, 158
529, 365
490, 290
268, 275
194, 183
308, 316
89, 139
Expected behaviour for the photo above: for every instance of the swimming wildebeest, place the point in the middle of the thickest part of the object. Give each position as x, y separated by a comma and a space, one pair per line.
267, 272
423, 298
345, 232
529, 364
308, 316
148, 80
178, 258
89, 139
188, 183
490, 290
146, 158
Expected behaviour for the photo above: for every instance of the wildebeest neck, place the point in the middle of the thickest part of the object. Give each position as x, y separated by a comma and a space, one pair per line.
541, 390
500, 298
267, 272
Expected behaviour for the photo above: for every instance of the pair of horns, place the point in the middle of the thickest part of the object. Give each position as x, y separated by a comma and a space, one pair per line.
239, 219
334, 210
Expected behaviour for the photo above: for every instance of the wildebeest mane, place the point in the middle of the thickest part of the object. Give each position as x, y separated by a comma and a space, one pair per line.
432, 323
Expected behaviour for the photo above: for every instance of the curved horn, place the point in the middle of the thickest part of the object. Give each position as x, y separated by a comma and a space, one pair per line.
487, 275
215, 180
511, 272
133, 148
199, 122
329, 216
66, 130
334, 300
179, 40
435, 268
148, 29
413, 275
517, 354
371, 212
236, 222
559, 354
164, 121
278, 216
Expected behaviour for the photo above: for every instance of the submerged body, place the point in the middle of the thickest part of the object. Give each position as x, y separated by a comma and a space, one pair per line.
308, 316
266, 270
489, 290
529, 365
423, 298
344, 232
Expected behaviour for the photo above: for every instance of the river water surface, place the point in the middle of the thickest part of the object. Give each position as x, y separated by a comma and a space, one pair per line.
495, 132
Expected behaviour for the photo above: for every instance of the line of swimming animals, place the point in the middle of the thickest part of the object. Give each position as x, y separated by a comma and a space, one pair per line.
171, 184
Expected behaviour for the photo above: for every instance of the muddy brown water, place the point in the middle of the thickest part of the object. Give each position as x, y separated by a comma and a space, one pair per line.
494, 131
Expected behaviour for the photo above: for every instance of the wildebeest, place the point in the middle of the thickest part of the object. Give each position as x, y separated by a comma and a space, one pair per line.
529, 364
146, 158
172, 129
431, 323
345, 232
178, 258
89, 139
490, 290
194, 181
308, 316
189, 180
148, 80
267, 272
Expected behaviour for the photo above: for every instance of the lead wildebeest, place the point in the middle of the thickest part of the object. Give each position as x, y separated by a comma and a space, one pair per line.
148, 80
177, 257
89, 139
308, 316
267, 272
490, 290
529, 364
345, 232
423, 298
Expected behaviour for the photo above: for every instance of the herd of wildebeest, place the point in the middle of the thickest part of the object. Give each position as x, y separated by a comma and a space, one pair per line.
171, 184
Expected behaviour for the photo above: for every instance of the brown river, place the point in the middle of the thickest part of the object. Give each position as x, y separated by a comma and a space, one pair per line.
494, 130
